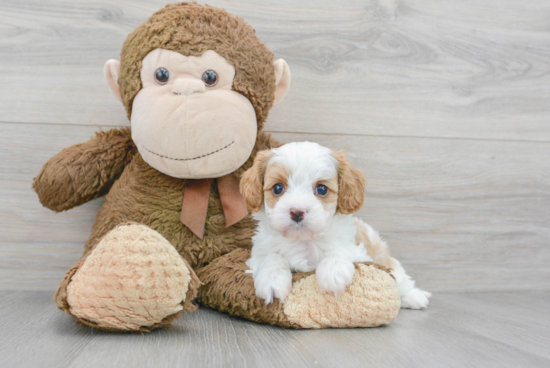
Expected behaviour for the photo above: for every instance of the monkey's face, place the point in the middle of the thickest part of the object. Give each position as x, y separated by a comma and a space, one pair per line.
186, 120
197, 85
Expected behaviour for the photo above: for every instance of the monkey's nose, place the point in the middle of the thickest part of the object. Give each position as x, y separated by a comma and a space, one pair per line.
297, 215
187, 86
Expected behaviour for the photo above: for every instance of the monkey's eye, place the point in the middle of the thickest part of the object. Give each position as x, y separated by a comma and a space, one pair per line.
162, 75
210, 78
278, 189
321, 189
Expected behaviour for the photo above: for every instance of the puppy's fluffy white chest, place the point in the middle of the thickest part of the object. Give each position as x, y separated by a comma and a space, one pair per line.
305, 255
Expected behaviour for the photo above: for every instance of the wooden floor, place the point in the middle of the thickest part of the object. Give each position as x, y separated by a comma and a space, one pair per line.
459, 330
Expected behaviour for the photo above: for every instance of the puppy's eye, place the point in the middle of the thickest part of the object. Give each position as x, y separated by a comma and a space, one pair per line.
210, 78
278, 189
321, 189
162, 75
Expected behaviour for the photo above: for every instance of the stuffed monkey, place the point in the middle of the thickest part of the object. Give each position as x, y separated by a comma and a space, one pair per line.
197, 85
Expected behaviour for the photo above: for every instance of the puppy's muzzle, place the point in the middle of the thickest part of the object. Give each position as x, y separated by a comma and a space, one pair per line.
297, 215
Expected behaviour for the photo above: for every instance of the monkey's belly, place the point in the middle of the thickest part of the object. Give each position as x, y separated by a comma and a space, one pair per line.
145, 196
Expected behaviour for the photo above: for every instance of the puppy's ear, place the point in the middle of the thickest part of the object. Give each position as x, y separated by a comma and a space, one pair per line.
252, 182
352, 185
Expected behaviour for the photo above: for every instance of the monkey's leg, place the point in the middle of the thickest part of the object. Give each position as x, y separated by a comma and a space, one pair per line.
371, 300
133, 279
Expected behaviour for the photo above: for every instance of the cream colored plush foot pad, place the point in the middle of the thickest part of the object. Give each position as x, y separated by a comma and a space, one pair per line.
371, 300
133, 278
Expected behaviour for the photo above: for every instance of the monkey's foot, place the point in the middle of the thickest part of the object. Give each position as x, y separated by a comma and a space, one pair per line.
371, 300
134, 279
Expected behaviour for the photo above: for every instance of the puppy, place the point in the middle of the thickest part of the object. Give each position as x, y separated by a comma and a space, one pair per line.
302, 195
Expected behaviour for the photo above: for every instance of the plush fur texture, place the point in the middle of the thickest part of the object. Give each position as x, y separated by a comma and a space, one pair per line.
145, 196
133, 267
191, 29
310, 307
151, 201
324, 189
186, 129
371, 300
84, 171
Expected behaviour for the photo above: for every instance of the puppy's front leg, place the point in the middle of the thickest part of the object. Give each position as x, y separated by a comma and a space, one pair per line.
335, 273
272, 276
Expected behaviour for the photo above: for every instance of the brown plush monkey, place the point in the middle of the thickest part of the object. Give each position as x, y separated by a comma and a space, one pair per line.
197, 85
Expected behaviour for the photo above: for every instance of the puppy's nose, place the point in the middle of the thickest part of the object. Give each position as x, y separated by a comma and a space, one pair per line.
187, 86
297, 215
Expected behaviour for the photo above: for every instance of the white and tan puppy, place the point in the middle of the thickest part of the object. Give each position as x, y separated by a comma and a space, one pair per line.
303, 195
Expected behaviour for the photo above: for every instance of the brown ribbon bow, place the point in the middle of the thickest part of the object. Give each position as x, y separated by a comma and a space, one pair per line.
195, 202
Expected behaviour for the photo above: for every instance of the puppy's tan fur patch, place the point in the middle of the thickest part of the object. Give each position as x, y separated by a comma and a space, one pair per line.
275, 174
352, 185
332, 196
378, 251
251, 185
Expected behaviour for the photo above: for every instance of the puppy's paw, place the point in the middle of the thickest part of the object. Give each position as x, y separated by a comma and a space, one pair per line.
335, 275
271, 284
415, 299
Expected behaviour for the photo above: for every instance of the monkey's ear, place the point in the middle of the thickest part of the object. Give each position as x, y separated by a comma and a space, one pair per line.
282, 80
112, 71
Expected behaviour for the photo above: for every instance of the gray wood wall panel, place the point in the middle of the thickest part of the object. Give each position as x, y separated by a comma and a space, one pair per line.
462, 215
444, 105
470, 69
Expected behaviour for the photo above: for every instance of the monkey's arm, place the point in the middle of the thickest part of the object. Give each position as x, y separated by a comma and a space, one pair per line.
84, 171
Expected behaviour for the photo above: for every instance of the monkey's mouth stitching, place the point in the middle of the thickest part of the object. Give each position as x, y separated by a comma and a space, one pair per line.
191, 158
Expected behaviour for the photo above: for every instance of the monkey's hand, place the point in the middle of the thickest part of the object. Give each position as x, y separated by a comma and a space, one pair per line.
84, 171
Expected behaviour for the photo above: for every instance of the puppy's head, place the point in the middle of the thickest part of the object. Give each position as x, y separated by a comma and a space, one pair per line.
302, 185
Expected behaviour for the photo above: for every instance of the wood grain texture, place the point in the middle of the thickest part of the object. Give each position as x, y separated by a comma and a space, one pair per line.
464, 210
444, 105
461, 215
473, 330
423, 68
36, 244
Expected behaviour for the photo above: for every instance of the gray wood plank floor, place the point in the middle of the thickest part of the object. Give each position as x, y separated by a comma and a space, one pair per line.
458, 330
